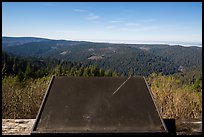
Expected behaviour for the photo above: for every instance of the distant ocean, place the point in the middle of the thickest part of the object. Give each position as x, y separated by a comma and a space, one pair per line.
186, 44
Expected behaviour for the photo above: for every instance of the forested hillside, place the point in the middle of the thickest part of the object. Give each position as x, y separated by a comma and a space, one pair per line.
187, 57
32, 67
10, 41
138, 59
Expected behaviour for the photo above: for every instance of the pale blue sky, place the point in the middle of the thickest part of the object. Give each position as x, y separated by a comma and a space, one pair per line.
129, 22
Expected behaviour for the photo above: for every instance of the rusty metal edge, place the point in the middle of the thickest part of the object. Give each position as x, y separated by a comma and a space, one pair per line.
153, 99
33, 130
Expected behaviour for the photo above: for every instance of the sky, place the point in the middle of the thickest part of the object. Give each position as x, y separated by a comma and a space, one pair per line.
122, 22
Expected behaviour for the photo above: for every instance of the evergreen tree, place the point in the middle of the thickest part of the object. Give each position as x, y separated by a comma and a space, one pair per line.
101, 72
28, 71
108, 73
86, 72
130, 73
81, 71
114, 74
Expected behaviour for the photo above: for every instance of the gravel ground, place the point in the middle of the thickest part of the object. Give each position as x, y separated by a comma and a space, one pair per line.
24, 127
17, 126
189, 127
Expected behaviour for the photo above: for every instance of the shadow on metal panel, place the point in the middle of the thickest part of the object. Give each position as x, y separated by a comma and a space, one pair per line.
98, 105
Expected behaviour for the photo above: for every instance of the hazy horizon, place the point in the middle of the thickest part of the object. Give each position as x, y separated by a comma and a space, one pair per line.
105, 21
186, 44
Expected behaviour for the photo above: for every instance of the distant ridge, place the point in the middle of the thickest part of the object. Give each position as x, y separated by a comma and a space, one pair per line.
10, 41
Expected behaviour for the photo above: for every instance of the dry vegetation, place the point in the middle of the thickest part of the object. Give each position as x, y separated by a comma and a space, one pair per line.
175, 100
23, 99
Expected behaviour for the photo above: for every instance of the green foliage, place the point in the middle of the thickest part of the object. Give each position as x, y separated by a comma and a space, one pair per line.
101, 72
86, 72
188, 57
144, 59
25, 68
130, 73
108, 73
191, 77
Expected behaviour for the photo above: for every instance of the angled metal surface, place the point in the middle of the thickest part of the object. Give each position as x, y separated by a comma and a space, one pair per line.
98, 105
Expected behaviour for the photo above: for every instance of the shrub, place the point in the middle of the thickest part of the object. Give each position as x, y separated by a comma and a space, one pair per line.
175, 100
22, 99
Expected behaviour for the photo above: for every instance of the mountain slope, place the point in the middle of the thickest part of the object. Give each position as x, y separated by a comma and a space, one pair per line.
139, 59
10, 41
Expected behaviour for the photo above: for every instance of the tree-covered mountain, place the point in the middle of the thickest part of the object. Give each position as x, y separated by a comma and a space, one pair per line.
32, 67
10, 41
187, 57
138, 59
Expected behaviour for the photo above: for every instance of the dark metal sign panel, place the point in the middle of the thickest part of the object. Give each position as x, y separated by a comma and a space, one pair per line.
98, 105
